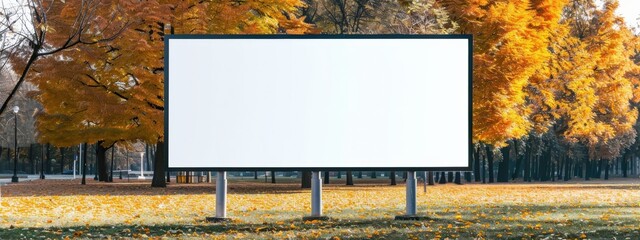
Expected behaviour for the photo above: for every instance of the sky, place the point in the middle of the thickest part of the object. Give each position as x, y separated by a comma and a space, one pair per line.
630, 10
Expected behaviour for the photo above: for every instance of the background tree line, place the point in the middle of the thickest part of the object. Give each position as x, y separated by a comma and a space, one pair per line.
555, 82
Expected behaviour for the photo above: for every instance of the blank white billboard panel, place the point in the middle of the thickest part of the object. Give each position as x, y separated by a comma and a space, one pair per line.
278, 102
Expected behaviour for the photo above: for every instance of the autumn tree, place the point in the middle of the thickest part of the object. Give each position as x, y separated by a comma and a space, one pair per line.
572, 97
114, 90
510, 45
614, 89
583, 94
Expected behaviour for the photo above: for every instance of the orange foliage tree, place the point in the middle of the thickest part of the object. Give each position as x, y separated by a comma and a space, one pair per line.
113, 91
48, 27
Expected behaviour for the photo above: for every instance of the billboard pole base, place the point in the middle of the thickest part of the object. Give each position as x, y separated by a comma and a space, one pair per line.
221, 199
217, 219
315, 218
412, 207
411, 218
316, 198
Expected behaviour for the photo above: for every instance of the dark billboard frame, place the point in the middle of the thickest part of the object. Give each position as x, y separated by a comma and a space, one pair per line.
468, 37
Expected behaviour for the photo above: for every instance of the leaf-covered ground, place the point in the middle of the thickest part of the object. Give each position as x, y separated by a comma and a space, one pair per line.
64, 208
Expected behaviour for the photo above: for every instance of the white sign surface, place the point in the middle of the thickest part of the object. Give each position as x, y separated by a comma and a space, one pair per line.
282, 102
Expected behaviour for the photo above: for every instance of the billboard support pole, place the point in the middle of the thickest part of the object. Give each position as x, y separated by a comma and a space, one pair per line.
316, 198
221, 198
412, 206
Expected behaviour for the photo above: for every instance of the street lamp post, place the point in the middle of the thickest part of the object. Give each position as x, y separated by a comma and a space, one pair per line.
141, 166
15, 138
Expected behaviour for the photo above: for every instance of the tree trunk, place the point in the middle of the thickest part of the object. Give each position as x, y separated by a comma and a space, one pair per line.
527, 163
373, 174
48, 162
578, 169
359, 174
159, 165
457, 179
42, 162
147, 163
430, 177
449, 176
516, 171
255, 175
2, 151
326, 178
349, 178
94, 164
392, 176
443, 178
111, 166
476, 164
84, 164
553, 170
101, 157
306, 179
484, 169
490, 162
567, 168
586, 171
547, 167
594, 170
625, 167
535, 168
31, 157
503, 166
62, 152
467, 176
273, 176
600, 168
606, 171
559, 167
541, 167
633, 163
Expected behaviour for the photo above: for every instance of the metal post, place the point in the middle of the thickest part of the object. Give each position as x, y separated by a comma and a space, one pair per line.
221, 198
316, 194
141, 166
411, 193
412, 207
221, 195
316, 197
75, 160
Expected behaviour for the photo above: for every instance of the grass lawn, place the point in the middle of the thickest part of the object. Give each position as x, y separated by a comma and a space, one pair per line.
574, 210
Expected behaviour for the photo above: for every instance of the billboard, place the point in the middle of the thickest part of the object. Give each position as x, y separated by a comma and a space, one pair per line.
318, 102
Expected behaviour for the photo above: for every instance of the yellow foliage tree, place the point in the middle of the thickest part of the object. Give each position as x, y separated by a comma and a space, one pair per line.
510, 45
591, 78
